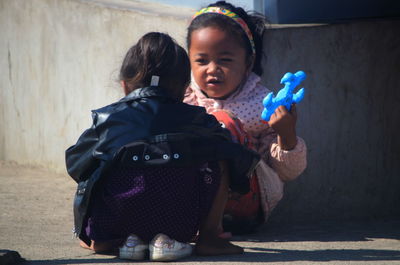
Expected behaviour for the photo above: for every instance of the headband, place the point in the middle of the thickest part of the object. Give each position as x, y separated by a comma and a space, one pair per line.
232, 15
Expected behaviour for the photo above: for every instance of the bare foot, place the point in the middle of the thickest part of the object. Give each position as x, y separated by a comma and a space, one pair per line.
102, 247
84, 245
213, 246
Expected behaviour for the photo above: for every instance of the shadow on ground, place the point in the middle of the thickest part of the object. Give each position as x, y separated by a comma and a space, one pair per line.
327, 232
265, 255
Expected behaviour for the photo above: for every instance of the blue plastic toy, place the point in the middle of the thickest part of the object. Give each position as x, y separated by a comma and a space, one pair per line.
285, 96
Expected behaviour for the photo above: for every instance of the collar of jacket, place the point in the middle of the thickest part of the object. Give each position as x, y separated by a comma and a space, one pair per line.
147, 92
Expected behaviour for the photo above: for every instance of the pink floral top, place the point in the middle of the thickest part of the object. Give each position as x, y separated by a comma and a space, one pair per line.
277, 165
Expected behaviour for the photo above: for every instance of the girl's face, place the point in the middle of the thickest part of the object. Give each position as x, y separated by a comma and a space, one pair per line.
219, 63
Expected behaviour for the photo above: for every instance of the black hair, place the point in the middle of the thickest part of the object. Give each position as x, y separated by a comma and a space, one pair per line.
156, 54
255, 21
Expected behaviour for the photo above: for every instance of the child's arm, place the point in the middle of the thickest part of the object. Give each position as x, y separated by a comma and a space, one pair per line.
287, 151
79, 158
288, 164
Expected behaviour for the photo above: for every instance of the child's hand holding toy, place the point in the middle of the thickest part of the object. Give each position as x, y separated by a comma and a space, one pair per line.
280, 111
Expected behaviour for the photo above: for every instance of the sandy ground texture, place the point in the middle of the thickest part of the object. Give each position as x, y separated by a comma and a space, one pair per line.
36, 221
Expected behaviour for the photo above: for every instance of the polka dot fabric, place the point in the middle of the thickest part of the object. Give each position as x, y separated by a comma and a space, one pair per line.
149, 201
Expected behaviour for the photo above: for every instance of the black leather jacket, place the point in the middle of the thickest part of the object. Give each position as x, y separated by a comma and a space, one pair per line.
152, 126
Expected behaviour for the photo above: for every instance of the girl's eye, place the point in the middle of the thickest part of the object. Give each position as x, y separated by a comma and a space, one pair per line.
201, 61
226, 60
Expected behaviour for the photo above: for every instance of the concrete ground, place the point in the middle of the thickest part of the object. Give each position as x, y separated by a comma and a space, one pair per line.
36, 221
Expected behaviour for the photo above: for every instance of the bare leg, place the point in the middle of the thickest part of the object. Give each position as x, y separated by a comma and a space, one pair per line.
209, 243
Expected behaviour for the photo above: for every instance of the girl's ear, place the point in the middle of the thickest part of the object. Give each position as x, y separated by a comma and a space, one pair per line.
250, 64
124, 87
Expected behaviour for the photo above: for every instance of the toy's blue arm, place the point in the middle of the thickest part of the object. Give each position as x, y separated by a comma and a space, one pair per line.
285, 96
298, 96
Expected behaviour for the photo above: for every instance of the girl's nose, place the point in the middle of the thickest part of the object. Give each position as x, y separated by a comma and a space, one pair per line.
213, 68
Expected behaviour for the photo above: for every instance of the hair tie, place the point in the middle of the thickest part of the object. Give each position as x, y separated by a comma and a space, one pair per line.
232, 15
154, 80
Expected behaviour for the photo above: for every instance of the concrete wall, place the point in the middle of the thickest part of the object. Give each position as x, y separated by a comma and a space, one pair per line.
60, 59
349, 118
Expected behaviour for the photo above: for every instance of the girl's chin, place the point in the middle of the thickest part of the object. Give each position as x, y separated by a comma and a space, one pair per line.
215, 95
215, 91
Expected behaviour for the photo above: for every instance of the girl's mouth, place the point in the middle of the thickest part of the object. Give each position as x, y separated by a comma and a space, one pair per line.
214, 81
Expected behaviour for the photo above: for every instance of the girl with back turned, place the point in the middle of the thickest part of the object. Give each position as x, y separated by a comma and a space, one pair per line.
152, 171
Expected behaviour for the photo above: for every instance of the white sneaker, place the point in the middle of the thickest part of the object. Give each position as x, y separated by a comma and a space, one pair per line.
133, 248
163, 248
